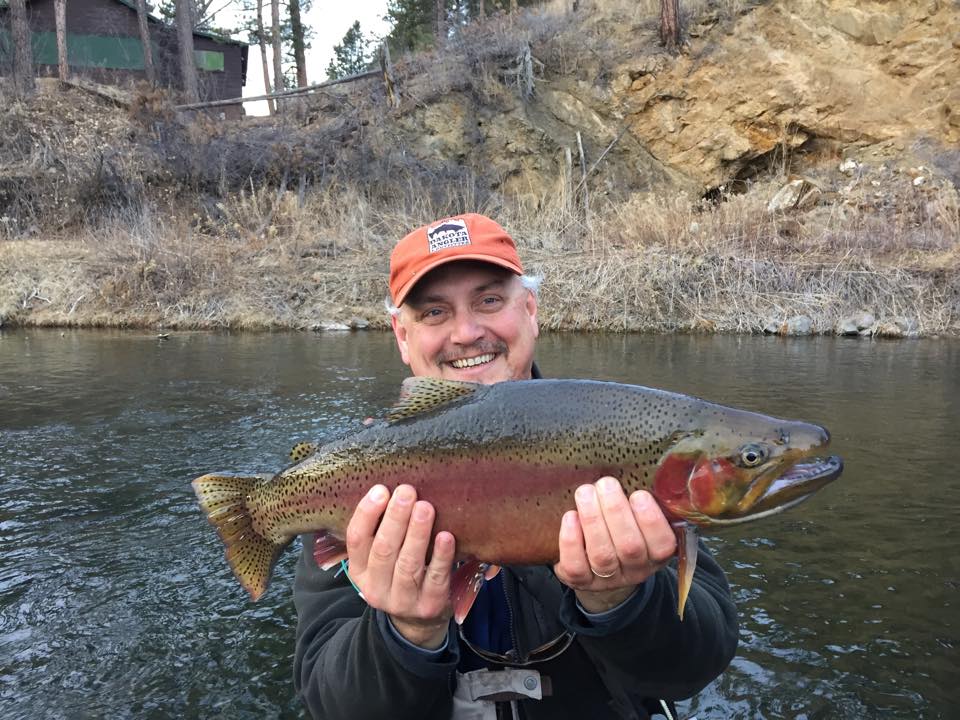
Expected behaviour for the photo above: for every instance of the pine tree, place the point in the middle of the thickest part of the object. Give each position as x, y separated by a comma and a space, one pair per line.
352, 56
261, 33
670, 25
412, 23
22, 54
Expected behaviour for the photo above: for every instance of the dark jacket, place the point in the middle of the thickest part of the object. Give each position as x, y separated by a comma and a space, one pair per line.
350, 665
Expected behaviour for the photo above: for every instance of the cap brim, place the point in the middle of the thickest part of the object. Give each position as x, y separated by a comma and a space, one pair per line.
493, 260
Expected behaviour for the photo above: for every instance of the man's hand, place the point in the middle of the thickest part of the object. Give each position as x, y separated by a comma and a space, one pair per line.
389, 563
610, 544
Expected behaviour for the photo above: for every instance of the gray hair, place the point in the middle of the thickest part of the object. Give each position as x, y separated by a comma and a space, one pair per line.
530, 282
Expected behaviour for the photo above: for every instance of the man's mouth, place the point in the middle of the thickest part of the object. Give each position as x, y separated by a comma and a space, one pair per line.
462, 363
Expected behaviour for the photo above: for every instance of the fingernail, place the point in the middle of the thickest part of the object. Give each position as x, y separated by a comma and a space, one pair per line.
421, 511
640, 501
608, 485
403, 495
377, 493
586, 495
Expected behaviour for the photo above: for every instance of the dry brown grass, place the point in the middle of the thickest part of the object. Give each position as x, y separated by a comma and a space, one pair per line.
267, 259
154, 221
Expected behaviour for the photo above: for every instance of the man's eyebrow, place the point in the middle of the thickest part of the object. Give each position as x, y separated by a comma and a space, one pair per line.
492, 285
427, 299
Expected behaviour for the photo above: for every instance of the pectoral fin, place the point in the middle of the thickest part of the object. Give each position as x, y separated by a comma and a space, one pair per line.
686, 562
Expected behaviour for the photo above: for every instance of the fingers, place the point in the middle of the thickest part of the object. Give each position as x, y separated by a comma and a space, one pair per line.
592, 510
623, 545
573, 568
660, 539
612, 541
435, 591
363, 526
409, 569
385, 548
388, 541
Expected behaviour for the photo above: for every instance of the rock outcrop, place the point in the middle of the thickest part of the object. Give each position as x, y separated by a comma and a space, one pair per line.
778, 86
798, 77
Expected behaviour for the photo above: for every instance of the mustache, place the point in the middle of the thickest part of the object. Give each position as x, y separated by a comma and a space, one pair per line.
480, 348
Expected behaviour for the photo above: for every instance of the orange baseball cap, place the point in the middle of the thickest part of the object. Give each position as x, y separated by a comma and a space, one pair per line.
462, 237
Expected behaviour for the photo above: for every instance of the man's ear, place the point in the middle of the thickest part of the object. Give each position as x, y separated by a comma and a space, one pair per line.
400, 333
531, 304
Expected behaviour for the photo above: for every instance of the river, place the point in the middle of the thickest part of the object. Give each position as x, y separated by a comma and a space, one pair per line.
115, 600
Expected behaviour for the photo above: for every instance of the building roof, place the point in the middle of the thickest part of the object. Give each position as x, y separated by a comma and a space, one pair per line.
132, 5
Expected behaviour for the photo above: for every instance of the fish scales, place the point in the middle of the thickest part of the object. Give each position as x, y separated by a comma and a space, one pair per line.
500, 463
520, 461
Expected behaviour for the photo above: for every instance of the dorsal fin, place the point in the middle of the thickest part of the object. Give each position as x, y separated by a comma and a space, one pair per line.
422, 394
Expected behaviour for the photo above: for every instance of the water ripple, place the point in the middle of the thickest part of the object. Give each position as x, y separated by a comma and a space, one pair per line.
115, 600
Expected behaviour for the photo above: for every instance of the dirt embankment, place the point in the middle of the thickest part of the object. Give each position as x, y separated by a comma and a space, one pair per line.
794, 169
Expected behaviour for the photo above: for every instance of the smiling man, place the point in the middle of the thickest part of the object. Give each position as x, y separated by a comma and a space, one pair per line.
595, 636
473, 319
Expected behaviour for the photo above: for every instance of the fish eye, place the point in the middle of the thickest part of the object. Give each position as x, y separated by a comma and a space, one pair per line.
753, 455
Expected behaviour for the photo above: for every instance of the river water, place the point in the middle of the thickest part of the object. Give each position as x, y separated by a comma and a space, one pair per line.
115, 600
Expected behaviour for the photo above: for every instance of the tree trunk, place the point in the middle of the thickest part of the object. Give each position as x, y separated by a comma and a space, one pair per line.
513, 6
670, 24
22, 49
261, 39
60, 18
299, 54
440, 28
145, 41
386, 68
481, 10
278, 83
188, 65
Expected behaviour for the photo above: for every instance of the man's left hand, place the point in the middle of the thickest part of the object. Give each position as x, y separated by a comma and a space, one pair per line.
610, 544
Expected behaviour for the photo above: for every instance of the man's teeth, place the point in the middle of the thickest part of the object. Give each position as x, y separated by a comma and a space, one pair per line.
470, 362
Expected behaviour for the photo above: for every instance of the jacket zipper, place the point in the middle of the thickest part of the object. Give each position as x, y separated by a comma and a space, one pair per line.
515, 645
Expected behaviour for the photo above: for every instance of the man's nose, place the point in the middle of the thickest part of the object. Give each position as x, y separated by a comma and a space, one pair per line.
466, 330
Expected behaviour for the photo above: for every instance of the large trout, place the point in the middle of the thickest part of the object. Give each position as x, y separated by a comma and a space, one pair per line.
500, 463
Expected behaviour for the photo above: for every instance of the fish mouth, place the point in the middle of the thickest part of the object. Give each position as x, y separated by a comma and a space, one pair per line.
798, 483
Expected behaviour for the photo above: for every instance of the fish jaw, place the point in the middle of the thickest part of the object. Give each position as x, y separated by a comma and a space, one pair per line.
798, 483
747, 477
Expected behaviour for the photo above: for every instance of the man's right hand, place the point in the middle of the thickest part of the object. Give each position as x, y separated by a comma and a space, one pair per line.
388, 564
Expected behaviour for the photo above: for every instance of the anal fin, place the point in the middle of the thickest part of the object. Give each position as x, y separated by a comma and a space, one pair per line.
328, 550
466, 583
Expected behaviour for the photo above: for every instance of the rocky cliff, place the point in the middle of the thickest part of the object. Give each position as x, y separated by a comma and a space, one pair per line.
759, 88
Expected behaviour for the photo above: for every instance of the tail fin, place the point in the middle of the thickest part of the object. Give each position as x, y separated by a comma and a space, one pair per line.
251, 556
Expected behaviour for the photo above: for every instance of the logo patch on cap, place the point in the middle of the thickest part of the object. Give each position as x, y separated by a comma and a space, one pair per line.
448, 234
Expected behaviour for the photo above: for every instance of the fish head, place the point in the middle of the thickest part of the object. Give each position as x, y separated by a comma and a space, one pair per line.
737, 466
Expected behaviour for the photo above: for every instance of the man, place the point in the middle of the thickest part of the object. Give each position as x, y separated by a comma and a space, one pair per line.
595, 636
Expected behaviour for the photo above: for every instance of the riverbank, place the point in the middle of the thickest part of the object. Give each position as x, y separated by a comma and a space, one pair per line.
653, 192
652, 264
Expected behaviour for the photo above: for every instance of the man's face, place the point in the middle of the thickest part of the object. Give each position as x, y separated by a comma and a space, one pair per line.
468, 321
